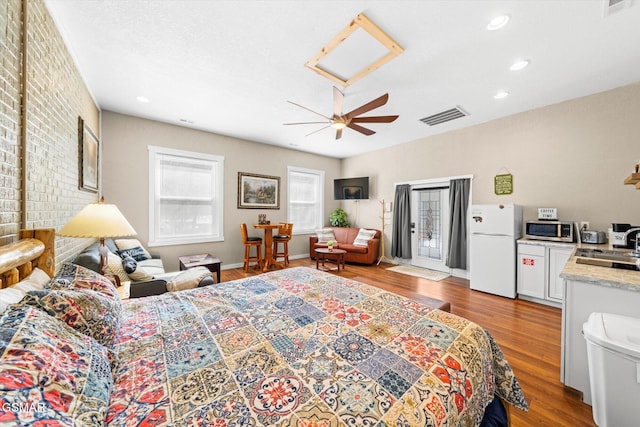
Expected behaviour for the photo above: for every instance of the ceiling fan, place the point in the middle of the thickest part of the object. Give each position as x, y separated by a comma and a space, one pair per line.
339, 121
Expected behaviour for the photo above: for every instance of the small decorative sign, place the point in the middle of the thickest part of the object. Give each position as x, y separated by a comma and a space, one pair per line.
529, 261
503, 184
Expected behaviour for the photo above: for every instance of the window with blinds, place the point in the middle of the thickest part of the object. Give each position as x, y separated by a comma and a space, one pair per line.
305, 199
185, 197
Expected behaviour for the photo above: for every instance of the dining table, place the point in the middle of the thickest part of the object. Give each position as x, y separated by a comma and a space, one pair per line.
269, 260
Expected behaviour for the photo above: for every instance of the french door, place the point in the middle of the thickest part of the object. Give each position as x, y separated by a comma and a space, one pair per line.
430, 228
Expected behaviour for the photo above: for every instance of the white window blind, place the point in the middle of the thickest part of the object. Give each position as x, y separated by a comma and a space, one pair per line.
306, 199
185, 197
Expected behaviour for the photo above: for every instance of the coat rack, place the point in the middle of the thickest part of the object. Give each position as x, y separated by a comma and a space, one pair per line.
382, 237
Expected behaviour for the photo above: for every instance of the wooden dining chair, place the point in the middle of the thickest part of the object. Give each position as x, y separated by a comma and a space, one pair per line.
284, 235
248, 243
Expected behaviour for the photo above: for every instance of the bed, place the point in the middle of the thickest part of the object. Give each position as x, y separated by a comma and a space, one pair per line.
292, 347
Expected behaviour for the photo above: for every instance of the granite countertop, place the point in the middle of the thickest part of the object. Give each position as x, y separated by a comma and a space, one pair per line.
604, 276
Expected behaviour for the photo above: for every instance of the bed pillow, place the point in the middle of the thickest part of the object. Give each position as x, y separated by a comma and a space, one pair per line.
132, 244
89, 312
363, 237
84, 278
65, 374
325, 235
33, 282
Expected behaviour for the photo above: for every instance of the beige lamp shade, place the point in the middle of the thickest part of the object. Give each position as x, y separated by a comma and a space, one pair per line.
98, 220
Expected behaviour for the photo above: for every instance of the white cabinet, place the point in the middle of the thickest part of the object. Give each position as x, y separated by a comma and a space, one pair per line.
539, 268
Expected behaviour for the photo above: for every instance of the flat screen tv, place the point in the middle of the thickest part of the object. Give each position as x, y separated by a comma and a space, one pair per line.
351, 188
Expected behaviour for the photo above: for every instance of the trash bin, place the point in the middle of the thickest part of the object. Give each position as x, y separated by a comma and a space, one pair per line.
613, 351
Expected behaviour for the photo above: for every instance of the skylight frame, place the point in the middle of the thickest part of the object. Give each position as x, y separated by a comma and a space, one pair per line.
361, 21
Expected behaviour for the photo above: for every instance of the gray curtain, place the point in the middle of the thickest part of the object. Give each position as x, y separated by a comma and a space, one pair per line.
401, 232
458, 205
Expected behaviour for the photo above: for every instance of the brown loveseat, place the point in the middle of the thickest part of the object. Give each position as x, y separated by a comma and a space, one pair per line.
344, 240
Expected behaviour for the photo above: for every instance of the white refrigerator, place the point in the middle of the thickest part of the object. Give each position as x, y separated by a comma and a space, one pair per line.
494, 231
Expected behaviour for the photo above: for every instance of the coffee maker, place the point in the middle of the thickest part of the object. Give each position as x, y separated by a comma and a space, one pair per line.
626, 236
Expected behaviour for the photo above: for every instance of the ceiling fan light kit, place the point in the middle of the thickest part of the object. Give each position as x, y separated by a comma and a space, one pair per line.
340, 121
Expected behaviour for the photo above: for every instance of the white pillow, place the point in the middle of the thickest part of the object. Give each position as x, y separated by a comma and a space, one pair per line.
325, 234
123, 244
114, 267
363, 237
187, 279
33, 282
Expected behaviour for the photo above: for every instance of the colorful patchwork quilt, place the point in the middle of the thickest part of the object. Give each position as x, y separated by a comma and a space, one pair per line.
300, 347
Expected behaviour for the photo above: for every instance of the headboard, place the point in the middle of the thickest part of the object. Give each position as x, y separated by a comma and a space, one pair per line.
36, 248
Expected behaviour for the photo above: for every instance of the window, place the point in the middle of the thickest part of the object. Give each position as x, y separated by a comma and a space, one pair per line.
185, 197
306, 199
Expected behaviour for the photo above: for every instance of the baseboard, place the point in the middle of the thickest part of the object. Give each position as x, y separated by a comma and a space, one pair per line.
241, 264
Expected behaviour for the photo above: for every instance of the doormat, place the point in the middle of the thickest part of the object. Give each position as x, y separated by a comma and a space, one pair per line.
425, 273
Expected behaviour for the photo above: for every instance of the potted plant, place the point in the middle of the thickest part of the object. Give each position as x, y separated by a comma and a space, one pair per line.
338, 218
330, 244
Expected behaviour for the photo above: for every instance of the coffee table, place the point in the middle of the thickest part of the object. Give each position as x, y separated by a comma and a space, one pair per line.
330, 255
201, 260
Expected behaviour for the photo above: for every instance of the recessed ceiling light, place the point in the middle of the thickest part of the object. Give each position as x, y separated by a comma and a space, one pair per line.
502, 94
142, 99
519, 65
498, 22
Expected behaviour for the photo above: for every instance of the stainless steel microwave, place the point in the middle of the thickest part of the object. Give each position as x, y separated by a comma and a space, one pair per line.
556, 231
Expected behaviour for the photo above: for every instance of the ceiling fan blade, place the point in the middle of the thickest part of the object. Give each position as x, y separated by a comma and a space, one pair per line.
338, 97
378, 102
308, 109
360, 129
305, 123
374, 119
338, 134
318, 130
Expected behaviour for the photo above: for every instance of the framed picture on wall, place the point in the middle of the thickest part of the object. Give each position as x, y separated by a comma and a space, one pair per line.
258, 191
88, 148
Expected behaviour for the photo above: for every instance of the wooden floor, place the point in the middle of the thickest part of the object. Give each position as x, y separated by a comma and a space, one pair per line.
528, 333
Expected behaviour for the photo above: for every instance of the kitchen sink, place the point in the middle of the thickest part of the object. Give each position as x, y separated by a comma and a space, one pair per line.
609, 258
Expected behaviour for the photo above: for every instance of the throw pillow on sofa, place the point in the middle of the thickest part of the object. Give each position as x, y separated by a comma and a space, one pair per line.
138, 253
114, 267
363, 237
127, 244
187, 279
325, 235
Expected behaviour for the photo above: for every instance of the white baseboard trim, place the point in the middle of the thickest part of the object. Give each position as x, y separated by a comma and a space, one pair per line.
241, 264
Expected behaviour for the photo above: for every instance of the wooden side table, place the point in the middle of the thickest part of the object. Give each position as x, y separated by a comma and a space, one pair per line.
201, 260
334, 255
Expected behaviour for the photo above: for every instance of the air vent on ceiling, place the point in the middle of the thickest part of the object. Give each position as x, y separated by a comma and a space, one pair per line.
445, 116
613, 6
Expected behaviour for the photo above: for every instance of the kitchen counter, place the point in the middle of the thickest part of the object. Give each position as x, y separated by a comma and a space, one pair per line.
604, 276
591, 289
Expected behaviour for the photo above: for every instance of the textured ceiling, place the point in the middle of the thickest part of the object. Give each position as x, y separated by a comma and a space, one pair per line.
230, 66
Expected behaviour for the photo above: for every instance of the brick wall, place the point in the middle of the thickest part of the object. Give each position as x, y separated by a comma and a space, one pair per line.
55, 96
10, 41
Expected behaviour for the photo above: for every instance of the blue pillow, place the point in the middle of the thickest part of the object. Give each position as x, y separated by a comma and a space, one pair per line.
137, 253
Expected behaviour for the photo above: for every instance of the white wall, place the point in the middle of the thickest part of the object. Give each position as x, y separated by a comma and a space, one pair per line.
574, 156
125, 167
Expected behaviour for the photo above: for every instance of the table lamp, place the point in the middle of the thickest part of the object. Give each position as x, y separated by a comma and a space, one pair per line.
99, 220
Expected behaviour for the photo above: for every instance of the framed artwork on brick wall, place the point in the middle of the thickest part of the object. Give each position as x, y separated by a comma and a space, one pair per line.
88, 148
